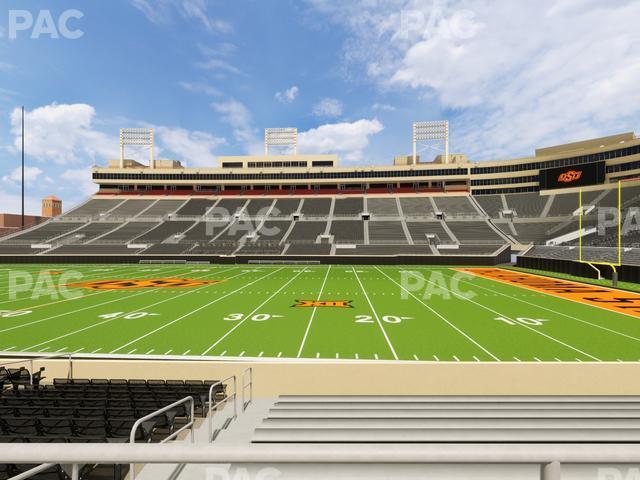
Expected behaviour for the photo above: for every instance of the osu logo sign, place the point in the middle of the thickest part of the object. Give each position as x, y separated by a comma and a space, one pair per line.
570, 176
324, 303
152, 283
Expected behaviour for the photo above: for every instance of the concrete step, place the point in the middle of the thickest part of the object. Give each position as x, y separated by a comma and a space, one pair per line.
452, 423
451, 413
460, 435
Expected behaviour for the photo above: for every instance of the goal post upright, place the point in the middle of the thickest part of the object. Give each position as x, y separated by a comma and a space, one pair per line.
618, 262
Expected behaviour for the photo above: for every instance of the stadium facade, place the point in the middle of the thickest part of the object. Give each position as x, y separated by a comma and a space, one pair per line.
551, 206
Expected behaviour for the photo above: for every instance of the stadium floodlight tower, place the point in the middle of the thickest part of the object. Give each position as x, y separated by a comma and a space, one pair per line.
281, 138
139, 137
434, 135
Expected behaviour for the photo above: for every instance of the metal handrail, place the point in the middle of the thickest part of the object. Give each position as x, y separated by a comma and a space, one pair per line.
31, 361
213, 407
249, 386
549, 456
188, 425
33, 471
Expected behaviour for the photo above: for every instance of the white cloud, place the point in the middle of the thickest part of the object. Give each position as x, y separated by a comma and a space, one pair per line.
162, 12
79, 180
194, 148
289, 95
327, 108
63, 134
12, 203
346, 139
238, 116
200, 87
513, 75
383, 107
31, 174
218, 65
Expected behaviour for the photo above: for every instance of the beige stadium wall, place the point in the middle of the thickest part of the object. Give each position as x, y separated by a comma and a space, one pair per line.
276, 377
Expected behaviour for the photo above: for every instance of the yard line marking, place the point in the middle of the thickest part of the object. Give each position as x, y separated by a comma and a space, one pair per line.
196, 310
476, 358
43, 350
357, 356
10, 348
168, 352
129, 353
555, 311
94, 325
557, 359
441, 317
61, 350
23, 325
317, 354
537, 332
255, 309
241, 354
58, 301
95, 351
279, 354
591, 289
337, 355
187, 352
150, 351
375, 355
260, 354
436, 358
517, 359
456, 358
313, 314
375, 314
37, 271
537, 359
415, 357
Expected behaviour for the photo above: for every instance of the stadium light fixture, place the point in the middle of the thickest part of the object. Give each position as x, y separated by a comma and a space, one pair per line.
140, 137
281, 138
429, 133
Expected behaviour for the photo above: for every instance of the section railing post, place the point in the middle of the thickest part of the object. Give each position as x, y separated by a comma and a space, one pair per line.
75, 472
551, 471
235, 397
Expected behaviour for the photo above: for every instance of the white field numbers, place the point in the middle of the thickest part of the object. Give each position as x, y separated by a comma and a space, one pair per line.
258, 317
531, 322
385, 318
127, 315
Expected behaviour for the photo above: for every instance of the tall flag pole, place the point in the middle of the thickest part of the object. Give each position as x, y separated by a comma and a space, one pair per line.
22, 166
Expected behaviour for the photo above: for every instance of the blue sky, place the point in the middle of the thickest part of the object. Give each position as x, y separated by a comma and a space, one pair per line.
209, 75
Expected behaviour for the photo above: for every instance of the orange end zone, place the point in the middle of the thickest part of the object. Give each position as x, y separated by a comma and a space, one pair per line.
615, 300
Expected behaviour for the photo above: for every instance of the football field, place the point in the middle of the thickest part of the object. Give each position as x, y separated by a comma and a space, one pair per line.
366, 313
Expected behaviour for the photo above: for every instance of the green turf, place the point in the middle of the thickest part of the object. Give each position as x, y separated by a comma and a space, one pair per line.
251, 313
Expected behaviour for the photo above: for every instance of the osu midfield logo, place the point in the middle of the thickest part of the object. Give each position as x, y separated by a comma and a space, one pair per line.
151, 283
570, 176
324, 303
